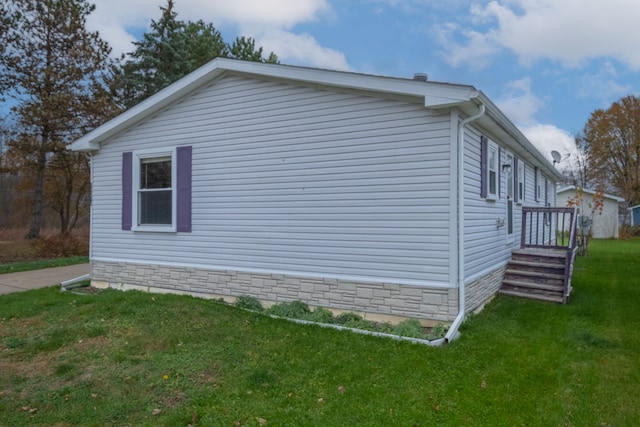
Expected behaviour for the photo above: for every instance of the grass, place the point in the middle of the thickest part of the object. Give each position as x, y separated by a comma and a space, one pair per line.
114, 358
44, 263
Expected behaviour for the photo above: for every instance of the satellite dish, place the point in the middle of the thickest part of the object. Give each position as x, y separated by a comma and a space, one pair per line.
556, 156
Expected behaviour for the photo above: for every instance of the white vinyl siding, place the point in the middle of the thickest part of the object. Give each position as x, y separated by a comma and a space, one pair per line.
485, 245
294, 180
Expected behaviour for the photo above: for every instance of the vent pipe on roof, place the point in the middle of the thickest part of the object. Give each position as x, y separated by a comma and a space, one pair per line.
421, 77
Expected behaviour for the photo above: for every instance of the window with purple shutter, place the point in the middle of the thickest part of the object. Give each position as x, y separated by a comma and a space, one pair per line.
151, 189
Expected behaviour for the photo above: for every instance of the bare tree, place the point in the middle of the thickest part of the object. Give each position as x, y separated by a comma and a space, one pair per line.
58, 75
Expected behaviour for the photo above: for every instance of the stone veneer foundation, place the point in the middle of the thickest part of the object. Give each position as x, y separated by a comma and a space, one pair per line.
375, 301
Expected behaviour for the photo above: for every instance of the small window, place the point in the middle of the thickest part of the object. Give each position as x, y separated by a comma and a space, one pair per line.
154, 191
521, 172
539, 185
492, 171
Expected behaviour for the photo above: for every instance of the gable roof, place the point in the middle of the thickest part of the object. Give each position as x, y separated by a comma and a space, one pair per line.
434, 95
592, 192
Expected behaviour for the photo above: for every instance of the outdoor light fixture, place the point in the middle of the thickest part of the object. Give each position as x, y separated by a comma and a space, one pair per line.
506, 167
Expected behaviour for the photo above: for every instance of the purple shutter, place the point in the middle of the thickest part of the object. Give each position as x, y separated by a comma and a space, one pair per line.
127, 189
515, 180
484, 155
535, 184
499, 172
183, 183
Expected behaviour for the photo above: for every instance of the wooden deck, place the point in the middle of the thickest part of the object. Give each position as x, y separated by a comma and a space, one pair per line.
543, 267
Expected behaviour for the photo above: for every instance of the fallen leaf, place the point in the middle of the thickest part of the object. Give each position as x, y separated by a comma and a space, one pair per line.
262, 421
436, 408
483, 384
321, 400
341, 389
156, 411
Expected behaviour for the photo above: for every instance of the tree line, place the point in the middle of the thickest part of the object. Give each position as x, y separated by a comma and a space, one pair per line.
60, 81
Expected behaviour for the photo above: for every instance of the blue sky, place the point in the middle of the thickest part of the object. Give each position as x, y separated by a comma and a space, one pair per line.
547, 63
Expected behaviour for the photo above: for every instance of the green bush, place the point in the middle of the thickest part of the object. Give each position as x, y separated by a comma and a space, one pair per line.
410, 328
366, 325
438, 331
248, 303
346, 317
293, 309
320, 315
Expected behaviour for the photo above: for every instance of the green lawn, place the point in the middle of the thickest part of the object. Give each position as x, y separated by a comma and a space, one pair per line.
114, 358
44, 263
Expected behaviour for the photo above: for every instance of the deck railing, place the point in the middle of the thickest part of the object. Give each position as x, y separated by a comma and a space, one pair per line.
553, 228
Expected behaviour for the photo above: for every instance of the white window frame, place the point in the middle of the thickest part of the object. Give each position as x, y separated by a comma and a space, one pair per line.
492, 148
539, 187
522, 170
138, 157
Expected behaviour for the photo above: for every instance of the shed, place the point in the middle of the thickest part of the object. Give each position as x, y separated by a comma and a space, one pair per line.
391, 197
604, 222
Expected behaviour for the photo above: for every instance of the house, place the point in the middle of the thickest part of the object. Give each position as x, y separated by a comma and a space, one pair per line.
604, 221
634, 212
388, 196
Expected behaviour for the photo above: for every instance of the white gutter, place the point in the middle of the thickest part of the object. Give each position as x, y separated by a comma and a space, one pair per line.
452, 333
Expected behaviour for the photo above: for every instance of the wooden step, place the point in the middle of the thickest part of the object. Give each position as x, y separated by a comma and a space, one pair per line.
530, 285
528, 295
537, 274
537, 267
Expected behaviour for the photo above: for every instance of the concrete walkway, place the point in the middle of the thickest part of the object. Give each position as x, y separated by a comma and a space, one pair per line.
25, 280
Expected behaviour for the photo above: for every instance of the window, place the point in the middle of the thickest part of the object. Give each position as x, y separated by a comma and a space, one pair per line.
520, 190
156, 190
539, 184
493, 171
489, 169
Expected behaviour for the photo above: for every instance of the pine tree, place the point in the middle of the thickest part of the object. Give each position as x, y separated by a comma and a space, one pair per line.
174, 48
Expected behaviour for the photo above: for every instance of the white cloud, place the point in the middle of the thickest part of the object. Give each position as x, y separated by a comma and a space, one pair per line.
546, 137
268, 21
477, 50
519, 103
602, 85
569, 31
302, 48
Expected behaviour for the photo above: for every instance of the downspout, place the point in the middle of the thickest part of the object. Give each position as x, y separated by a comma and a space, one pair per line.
452, 333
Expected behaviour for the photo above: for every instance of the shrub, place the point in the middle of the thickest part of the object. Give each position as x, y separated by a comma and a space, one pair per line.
366, 325
293, 309
438, 331
347, 317
320, 315
60, 245
410, 328
248, 303
627, 231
